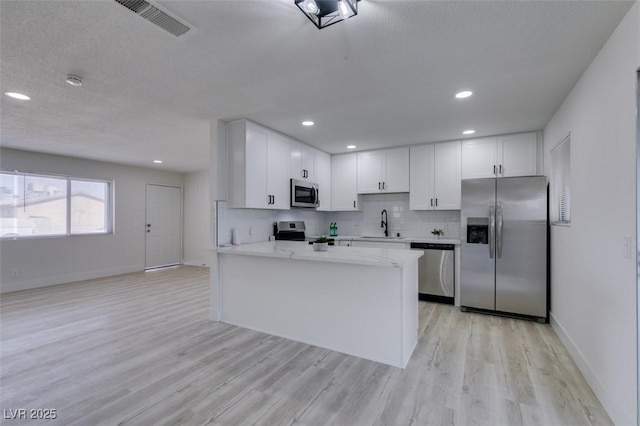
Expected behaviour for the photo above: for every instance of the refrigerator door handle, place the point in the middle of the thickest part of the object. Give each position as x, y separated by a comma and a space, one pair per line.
492, 230
499, 231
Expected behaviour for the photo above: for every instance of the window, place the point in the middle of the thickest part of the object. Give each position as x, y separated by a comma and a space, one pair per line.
39, 205
561, 183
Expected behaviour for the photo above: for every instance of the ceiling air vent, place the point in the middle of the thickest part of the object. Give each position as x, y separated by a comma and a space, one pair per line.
156, 16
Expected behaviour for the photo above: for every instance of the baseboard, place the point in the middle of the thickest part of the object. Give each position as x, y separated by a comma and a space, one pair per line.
194, 263
611, 406
68, 278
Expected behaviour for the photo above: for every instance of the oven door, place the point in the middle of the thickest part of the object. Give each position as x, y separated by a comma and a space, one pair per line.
304, 194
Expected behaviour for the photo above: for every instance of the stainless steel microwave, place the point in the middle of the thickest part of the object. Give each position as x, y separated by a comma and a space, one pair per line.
304, 194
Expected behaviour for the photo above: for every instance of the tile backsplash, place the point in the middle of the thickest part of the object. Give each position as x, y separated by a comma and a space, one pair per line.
257, 225
401, 220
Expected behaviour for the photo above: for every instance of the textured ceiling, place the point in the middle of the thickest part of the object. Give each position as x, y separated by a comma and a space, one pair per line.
385, 77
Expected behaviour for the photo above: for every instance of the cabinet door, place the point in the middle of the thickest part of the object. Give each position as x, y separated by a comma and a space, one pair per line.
303, 162
255, 168
309, 164
344, 187
447, 175
396, 170
323, 179
382, 245
296, 160
518, 154
278, 163
421, 184
479, 158
370, 171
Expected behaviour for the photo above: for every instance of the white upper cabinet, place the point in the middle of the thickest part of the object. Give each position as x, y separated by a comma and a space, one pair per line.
435, 175
385, 170
259, 167
479, 158
517, 154
344, 183
323, 179
500, 156
303, 162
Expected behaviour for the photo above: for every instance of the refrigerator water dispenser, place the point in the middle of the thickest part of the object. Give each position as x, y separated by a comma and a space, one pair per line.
478, 230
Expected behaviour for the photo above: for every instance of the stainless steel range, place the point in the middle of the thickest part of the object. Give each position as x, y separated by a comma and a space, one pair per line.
289, 230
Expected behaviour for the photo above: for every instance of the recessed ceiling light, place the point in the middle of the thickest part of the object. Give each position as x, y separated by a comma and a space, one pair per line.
16, 95
308, 123
157, 161
465, 94
74, 80
468, 132
351, 147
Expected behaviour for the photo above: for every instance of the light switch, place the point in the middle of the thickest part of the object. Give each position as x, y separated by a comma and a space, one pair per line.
626, 247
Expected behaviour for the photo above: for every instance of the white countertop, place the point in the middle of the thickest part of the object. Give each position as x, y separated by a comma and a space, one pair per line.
392, 258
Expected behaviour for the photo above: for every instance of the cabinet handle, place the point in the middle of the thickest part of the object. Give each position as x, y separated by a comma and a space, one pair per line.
379, 186
432, 202
500, 168
494, 169
354, 204
273, 199
436, 202
383, 185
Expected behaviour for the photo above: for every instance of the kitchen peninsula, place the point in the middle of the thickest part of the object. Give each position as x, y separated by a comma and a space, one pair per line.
359, 301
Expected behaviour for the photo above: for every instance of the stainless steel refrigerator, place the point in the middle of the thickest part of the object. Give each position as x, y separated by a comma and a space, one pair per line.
503, 254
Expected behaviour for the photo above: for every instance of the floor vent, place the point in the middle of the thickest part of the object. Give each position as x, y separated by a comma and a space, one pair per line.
156, 16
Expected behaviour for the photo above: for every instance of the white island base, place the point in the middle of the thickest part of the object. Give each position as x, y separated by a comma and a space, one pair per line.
364, 310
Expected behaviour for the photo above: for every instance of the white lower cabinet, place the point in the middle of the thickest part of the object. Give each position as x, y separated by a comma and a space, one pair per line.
377, 244
398, 245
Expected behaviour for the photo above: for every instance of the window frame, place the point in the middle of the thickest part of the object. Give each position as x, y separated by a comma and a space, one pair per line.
561, 164
109, 207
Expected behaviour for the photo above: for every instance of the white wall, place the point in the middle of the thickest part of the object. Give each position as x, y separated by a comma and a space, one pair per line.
197, 218
593, 288
47, 261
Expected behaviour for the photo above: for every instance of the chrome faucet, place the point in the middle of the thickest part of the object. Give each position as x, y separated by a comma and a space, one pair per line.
383, 222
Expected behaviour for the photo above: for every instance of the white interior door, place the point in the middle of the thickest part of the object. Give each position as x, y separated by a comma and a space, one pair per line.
163, 226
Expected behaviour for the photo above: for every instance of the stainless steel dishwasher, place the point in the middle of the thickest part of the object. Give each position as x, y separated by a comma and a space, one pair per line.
436, 272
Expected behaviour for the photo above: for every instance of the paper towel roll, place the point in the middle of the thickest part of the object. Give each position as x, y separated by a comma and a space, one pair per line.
235, 239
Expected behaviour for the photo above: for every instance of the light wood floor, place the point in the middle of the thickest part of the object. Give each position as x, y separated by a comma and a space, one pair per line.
138, 349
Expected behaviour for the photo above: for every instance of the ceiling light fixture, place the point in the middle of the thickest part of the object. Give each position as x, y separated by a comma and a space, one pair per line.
464, 94
468, 132
16, 95
351, 147
308, 123
74, 80
327, 12
157, 161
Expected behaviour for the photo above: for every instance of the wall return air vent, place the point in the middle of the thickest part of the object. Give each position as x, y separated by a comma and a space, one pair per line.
156, 16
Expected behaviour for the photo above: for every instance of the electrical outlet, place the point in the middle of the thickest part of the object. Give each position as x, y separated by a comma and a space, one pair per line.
14, 273
626, 247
